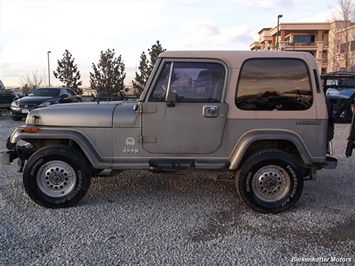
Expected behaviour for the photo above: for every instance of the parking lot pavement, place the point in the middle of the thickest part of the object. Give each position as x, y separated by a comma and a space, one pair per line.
143, 218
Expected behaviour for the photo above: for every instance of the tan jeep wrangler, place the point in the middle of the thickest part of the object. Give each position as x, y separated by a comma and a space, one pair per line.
261, 115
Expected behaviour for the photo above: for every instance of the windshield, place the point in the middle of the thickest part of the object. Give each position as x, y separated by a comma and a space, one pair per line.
50, 92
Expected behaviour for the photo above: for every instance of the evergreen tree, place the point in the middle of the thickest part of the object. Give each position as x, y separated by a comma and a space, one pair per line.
143, 75
146, 66
68, 73
109, 74
154, 53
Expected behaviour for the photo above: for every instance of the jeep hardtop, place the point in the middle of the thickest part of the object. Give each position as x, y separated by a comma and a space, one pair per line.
260, 115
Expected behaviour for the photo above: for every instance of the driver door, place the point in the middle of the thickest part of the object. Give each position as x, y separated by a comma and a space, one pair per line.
184, 113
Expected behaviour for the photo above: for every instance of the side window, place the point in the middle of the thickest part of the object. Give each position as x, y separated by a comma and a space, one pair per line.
65, 91
71, 92
191, 81
274, 84
161, 86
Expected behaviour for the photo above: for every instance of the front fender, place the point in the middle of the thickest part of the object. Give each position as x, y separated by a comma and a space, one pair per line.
47, 134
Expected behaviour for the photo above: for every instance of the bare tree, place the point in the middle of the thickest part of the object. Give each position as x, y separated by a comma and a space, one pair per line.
32, 81
342, 36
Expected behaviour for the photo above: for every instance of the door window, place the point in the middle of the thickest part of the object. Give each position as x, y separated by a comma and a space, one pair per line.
191, 81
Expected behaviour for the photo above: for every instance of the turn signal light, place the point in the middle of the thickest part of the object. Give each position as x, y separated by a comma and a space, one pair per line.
30, 129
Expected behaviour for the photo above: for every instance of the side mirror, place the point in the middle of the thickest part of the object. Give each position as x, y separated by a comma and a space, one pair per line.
171, 98
63, 96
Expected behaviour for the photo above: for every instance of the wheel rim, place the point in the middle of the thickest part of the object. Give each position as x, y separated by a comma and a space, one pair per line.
56, 179
271, 183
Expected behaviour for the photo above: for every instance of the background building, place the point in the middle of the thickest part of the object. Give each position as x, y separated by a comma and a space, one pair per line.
331, 43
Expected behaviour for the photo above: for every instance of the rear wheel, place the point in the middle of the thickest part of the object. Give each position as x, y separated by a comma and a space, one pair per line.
270, 181
57, 176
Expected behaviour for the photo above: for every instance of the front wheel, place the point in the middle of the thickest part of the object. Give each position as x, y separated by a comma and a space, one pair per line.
57, 176
16, 118
270, 181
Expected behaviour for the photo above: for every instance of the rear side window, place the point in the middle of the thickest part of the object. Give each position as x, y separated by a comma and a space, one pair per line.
274, 84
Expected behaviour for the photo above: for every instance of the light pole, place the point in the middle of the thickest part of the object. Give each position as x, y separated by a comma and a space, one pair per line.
49, 71
278, 25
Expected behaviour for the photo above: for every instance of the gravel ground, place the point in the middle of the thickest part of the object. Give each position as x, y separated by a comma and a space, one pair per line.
141, 218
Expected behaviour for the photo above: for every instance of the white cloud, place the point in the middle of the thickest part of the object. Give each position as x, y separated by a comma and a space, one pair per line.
322, 16
239, 33
31, 28
201, 28
208, 37
270, 5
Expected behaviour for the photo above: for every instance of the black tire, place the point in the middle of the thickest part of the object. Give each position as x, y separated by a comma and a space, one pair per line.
16, 118
270, 181
57, 176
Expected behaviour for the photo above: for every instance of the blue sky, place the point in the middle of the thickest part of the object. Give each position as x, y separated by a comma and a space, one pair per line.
28, 29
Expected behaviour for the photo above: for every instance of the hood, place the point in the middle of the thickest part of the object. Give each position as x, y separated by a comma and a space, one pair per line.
83, 114
34, 100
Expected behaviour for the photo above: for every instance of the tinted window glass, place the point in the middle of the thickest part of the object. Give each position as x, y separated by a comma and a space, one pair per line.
50, 92
303, 38
274, 84
191, 81
70, 92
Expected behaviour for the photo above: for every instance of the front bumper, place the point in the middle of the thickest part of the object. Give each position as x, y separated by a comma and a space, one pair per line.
22, 152
19, 112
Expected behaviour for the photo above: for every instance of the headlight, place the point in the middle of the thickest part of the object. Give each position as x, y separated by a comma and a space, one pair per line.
14, 104
44, 104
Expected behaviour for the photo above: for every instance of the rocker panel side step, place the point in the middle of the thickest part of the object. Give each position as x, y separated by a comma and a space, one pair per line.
183, 164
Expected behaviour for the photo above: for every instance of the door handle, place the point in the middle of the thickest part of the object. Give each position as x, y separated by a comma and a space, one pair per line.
210, 111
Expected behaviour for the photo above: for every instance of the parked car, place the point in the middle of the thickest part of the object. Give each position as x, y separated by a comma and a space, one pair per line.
6, 98
2, 87
340, 94
42, 97
18, 93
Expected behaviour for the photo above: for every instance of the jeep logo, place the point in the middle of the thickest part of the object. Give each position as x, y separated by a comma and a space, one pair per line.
130, 142
128, 150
